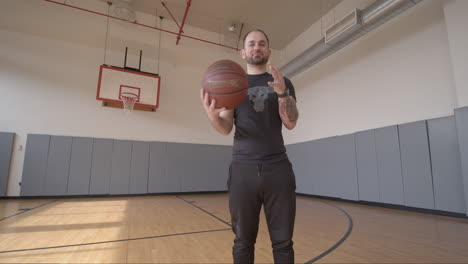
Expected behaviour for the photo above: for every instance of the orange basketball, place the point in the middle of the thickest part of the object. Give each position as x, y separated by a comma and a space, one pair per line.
226, 82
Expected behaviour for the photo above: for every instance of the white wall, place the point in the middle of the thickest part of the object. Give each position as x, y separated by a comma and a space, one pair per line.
456, 19
49, 62
400, 72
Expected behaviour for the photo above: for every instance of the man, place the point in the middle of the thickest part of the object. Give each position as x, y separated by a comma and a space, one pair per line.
260, 171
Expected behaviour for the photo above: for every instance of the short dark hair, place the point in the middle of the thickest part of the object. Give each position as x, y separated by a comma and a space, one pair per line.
256, 30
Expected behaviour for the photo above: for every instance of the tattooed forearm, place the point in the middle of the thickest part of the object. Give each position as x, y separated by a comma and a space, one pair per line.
288, 109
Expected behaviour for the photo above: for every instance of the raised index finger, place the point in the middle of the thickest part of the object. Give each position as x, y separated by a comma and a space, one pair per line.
274, 72
279, 74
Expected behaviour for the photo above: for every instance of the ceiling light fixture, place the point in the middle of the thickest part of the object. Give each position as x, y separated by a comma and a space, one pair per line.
232, 27
124, 10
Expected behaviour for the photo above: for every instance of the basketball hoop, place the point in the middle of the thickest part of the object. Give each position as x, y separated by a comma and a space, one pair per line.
128, 100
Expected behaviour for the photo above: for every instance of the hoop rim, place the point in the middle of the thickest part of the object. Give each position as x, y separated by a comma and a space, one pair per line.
128, 95
128, 100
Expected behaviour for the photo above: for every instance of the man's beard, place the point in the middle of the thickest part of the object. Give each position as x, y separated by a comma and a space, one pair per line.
257, 61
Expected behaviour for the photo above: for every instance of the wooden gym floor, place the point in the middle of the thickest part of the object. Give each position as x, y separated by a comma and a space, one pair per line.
195, 229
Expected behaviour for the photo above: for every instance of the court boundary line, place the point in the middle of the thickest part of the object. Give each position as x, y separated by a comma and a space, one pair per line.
388, 206
191, 203
113, 241
25, 211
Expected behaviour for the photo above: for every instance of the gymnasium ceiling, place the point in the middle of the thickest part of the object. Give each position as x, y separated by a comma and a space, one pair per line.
283, 20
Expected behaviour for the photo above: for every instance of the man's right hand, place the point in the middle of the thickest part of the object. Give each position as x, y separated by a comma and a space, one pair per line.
222, 119
210, 109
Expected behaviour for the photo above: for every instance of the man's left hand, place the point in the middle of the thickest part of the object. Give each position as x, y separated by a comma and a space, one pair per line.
278, 81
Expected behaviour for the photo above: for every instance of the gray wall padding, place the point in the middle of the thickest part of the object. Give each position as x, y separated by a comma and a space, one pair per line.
35, 165
80, 166
343, 177
58, 164
446, 165
101, 166
6, 147
198, 167
158, 180
366, 160
421, 164
139, 168
416, 165
217, 167
389, 165
326, 167
120, 169
461, 116
300, 156
320, 160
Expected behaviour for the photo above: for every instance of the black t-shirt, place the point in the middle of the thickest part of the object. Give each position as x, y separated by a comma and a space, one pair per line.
258, 137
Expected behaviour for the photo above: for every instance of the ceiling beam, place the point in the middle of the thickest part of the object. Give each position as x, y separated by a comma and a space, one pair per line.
183, 21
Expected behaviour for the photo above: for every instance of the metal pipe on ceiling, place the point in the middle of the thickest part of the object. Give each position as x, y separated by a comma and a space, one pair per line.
373, 16
183, 21
173, 18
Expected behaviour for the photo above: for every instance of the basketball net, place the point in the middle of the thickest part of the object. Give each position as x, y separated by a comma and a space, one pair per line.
128, 101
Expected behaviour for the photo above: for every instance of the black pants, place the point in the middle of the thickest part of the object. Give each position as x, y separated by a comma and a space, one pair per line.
250, 186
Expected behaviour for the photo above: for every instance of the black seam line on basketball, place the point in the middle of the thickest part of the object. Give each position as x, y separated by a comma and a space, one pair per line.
204, 211
27, 210
211, 93
113, 241
350, 229
229, 72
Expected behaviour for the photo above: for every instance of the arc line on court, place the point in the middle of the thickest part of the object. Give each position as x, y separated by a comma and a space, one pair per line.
341, 241
328, 251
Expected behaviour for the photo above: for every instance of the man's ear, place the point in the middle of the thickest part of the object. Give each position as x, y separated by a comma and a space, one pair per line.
242, 53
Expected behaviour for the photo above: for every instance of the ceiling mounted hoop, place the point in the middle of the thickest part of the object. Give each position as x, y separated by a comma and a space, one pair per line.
128, 101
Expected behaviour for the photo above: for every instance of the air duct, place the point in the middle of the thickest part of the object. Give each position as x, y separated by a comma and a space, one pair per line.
344, 28
353, 26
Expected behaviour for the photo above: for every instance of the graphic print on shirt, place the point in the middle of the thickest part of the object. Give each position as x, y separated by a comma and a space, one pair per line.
258, 95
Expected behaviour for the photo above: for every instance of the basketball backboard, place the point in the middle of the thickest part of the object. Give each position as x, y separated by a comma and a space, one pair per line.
114, 82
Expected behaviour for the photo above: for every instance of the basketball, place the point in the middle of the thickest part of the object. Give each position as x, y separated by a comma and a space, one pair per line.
226, 82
